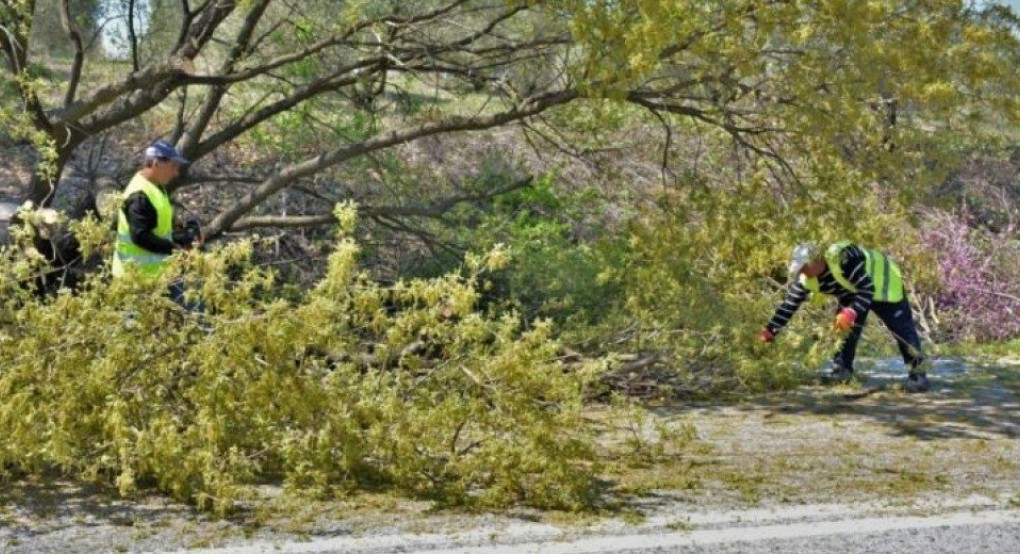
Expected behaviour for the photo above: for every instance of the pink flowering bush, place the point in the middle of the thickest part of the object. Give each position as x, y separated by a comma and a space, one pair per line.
978, 296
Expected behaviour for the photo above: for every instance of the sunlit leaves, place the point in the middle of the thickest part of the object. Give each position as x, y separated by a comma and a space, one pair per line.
409, 387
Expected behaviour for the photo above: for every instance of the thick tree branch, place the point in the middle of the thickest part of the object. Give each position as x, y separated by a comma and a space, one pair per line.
144, 79
104, 95
203, 29
433, 211
286, 176
126, 107
216, 94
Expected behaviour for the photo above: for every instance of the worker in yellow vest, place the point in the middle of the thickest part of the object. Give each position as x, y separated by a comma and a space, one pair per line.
862, 280
145, 234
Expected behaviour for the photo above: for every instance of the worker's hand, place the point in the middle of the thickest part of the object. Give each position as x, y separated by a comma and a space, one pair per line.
196, 235
845, 319
767, 336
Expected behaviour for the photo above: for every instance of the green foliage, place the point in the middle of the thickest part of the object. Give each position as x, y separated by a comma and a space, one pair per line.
355, 385
554, 276
16, 124
553, 273
835, 71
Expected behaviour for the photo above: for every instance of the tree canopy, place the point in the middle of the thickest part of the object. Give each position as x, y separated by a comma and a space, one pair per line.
315, 86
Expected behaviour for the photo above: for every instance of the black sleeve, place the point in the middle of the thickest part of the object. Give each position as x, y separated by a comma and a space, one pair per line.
795, 296
142, 220
854, 263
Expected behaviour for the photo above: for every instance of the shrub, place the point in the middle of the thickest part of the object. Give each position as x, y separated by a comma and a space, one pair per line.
978, 296
353, 385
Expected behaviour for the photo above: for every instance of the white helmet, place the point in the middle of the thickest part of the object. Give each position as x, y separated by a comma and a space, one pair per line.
802, 254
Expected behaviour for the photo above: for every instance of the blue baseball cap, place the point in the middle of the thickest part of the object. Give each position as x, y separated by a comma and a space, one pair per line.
165, 150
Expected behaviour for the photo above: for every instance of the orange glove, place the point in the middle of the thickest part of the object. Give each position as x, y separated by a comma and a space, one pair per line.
845, 319
767, 336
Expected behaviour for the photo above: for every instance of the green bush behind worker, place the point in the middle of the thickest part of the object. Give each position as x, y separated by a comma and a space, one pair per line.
863, 281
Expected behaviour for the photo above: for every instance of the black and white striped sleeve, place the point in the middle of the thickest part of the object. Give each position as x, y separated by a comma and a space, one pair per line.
854, 265
795, 296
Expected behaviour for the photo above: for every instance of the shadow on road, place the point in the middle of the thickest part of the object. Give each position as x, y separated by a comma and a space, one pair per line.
62, 504
968, 400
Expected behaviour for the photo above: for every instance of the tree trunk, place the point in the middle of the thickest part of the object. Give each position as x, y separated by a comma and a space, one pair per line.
42, 188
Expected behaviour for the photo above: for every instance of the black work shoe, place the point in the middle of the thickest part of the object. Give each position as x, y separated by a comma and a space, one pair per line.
917, 382
839, 374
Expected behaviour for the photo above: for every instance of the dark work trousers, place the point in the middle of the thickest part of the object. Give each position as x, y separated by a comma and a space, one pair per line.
898, 318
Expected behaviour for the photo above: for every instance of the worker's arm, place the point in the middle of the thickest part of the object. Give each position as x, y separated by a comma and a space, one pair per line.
795, 296
142, 220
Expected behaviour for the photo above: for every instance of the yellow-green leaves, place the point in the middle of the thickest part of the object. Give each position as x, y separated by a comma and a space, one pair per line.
827, 61
355, 384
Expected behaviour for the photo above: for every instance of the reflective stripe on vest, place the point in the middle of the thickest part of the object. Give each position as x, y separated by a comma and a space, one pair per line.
150, 263
884, 273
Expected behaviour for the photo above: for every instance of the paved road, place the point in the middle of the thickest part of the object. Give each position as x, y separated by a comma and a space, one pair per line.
973, 530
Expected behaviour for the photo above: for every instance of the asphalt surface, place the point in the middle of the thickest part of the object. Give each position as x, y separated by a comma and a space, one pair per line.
975, 525
972, 530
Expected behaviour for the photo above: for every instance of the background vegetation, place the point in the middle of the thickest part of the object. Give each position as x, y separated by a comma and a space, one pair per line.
558, 203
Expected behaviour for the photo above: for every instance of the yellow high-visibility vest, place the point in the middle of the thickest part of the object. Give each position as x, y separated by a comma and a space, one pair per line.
127, 252
884, 273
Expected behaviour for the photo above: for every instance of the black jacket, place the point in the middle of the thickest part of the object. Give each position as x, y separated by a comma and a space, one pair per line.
142, 220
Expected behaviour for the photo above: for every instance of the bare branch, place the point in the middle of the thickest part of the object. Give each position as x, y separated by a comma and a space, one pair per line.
665, 147
155, 80
249, 73
434, 211
215, 95
181, 115
284, 221
132, 34
187, 17
79, 51
228, 133
283, 178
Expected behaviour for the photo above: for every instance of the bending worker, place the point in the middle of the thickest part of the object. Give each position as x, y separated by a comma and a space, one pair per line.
145, 235
863, 281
